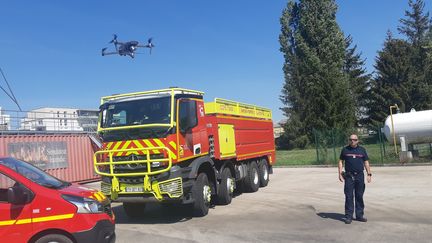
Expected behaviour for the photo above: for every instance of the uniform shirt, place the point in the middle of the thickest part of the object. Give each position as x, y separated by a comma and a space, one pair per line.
354, 158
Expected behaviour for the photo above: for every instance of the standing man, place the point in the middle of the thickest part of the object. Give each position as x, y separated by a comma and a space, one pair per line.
356, 160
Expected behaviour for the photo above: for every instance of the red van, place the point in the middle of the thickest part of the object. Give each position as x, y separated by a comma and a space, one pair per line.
39, 208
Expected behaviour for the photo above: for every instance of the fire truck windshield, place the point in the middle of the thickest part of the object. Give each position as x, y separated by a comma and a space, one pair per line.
147, 111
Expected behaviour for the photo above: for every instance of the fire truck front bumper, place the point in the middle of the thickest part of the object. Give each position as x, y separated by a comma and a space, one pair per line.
171, 186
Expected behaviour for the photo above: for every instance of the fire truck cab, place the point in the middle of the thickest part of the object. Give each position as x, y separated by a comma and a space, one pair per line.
36, 207
169, 146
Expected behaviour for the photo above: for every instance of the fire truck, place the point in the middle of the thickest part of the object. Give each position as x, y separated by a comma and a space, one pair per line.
169, 146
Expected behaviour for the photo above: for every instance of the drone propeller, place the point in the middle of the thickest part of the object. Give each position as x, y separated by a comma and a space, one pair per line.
103, 51
114, 40
150, 44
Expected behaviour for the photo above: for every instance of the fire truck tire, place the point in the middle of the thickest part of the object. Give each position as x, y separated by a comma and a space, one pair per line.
251, 182
54, 238
201, 192
134, 210
226, 189
263, 172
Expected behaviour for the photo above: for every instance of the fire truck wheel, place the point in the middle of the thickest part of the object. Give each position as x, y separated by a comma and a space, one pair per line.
134, 210
226, 189
202, 194
54, 238
252, 178
263, 173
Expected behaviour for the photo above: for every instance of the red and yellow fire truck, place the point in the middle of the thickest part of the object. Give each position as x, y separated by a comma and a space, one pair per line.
169, 146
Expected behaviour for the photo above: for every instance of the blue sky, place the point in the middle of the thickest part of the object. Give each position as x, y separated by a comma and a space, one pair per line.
50, 50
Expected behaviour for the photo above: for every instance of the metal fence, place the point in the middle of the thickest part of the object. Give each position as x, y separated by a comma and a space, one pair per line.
49, 120
329, 143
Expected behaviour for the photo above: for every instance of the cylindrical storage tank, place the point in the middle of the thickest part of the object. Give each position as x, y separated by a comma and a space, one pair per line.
68, 157
415, 126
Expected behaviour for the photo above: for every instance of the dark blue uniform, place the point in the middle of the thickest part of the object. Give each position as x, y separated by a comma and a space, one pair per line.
354, 179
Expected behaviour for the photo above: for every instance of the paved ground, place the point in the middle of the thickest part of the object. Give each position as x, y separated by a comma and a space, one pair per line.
300, 205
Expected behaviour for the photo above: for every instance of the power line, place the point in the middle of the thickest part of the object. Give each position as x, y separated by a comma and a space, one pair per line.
11, 95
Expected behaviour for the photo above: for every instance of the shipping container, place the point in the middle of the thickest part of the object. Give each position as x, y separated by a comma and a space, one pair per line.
66, 156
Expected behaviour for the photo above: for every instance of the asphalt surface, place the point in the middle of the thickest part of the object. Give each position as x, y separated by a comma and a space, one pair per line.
299, 205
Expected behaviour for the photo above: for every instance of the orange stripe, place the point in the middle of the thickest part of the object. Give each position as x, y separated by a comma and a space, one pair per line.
126, 145
139, 146
120, 146
173, 145
170, 150
150, 145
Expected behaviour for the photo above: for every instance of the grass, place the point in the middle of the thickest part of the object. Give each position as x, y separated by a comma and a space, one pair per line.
376, 155
296, 157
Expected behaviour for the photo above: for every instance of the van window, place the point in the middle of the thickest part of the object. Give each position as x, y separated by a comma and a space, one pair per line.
33, 173
5, 183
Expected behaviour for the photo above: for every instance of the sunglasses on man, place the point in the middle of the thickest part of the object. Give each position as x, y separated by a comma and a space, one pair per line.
353, 139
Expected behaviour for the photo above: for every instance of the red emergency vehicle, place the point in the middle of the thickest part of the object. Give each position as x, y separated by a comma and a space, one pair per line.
37, 207
169, 146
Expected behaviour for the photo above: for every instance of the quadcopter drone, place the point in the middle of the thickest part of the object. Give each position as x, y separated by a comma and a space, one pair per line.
126, 48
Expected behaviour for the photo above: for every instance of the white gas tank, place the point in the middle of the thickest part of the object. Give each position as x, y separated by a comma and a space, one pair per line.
415, 126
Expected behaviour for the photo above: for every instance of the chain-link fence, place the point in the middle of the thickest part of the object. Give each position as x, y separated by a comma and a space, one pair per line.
329, 143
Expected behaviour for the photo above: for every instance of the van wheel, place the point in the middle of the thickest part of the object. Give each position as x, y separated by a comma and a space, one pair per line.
226, 188
202, 195
134, 210
251, 182
263, 170
57, 238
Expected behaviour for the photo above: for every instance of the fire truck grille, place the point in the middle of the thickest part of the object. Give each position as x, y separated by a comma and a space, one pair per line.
106, 188
131, 180
173, 187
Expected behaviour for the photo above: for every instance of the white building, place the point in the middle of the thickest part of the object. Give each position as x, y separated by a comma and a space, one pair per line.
60, 119
278, 129
5, 121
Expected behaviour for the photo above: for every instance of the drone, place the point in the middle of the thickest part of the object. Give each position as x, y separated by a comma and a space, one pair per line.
126, 48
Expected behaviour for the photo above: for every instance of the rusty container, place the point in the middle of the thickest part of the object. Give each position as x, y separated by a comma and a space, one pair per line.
68, 157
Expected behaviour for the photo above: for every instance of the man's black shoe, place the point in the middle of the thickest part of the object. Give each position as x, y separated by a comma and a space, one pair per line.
348, 221
362, 219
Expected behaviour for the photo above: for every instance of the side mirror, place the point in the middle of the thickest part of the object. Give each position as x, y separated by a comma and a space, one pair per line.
17, 195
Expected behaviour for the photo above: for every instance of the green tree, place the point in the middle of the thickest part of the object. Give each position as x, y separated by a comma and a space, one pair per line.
316, 90
359, 79
417, 23
403, 68
428, 47
389, 86
415, 27
291, 95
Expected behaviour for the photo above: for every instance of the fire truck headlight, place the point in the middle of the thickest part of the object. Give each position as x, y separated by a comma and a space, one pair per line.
84, 205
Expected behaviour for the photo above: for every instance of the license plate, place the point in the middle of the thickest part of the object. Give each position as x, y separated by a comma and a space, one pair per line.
134, 189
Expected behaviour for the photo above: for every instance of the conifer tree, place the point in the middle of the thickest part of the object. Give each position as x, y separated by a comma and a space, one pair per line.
359, 79
403, 70
415, 27
389, 85
316, 90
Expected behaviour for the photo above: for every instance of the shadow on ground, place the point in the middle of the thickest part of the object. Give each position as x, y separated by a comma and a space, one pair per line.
155, 214
334, 216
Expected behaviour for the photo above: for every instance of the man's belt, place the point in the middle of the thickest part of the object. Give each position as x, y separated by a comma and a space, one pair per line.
351, 174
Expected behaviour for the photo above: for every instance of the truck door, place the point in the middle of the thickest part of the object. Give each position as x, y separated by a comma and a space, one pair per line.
15, 219
192, 133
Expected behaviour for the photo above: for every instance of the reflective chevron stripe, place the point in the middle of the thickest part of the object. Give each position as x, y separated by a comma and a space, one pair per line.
141, 144
36, 220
